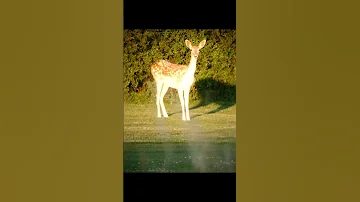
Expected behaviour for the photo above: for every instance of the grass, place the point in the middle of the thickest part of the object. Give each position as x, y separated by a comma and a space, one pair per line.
204, 144
142, 125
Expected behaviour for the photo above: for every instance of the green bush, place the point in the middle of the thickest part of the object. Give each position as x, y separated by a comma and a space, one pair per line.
216, 62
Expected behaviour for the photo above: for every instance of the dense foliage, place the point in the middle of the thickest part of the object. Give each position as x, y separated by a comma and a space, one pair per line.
215, 65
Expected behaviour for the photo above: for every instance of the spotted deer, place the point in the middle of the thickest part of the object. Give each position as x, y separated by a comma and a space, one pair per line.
179, 77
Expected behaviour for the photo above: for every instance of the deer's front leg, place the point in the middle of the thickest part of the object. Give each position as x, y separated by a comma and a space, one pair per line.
186, 95
181, 97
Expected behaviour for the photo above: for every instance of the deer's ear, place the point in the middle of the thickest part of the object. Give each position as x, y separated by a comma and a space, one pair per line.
202, 44
188, 44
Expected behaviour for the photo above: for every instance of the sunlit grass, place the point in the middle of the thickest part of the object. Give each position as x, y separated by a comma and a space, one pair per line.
142, 125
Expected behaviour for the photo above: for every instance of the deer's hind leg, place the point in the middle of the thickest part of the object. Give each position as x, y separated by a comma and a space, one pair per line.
159, 86
164, 89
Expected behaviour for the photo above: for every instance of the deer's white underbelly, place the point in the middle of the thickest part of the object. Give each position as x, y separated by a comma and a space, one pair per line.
180, 83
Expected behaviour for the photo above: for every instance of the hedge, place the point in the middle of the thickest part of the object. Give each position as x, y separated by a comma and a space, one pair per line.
216, 68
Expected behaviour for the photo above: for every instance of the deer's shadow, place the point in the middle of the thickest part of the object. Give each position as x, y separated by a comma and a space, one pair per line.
211, 91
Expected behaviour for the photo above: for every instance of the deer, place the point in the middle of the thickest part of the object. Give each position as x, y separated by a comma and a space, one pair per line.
180, 77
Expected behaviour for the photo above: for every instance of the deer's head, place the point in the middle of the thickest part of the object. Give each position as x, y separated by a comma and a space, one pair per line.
195, 50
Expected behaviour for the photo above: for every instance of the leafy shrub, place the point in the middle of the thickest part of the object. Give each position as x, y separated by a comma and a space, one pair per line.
216, 61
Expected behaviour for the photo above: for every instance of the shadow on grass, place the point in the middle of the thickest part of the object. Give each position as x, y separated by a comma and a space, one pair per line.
211, 91
180, 157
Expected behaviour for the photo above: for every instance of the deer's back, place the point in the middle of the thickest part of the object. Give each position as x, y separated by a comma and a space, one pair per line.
166, 68
173, 74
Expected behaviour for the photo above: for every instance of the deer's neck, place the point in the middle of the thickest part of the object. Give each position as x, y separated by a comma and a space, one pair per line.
192, 65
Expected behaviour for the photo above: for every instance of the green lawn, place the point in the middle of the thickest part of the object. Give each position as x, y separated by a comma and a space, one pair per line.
204, 144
